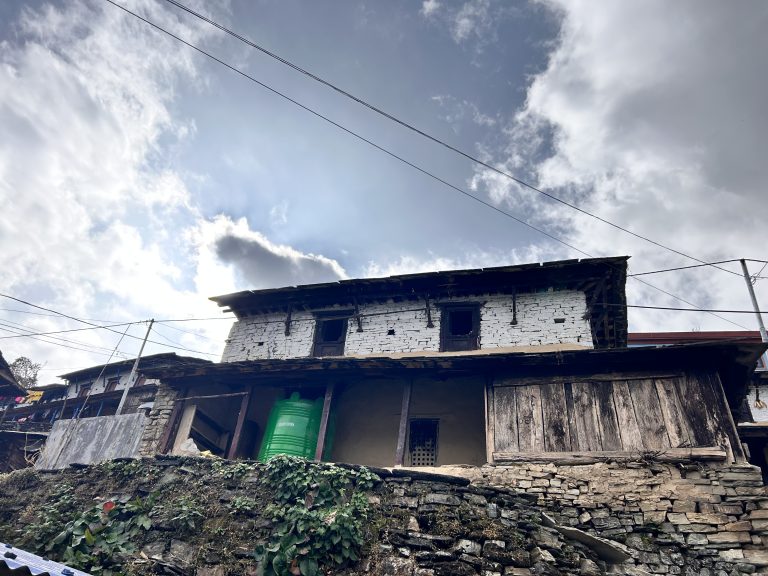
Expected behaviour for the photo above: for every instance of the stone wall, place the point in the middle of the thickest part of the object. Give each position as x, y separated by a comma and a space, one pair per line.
158, 420
675, 518
622, 518
542, 318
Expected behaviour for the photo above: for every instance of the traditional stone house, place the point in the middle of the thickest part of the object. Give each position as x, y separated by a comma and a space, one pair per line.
518, 377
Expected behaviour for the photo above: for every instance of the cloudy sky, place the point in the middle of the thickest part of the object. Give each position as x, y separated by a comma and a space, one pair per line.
138, 177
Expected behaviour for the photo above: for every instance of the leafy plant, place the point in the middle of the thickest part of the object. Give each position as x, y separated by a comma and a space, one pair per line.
241, 504
51, 519
97, 539
318, 516
186, 513
232, 470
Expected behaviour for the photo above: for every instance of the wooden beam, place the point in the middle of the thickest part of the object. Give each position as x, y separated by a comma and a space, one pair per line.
490, 421
589, 378
169, 434
324, 421
575, 458
235, 445
405, 411
185, 426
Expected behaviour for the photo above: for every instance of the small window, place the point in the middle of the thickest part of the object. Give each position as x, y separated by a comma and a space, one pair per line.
330, 334
460, 327
141, 381
422, 442
112, 384
84, 391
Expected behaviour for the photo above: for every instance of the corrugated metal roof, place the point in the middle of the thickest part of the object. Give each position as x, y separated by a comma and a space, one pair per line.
17, 562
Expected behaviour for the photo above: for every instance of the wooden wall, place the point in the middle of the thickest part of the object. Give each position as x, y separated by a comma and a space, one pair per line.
607, 413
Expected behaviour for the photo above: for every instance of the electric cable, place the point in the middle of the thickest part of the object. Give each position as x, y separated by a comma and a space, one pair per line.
385, 150
103, 327
428, 136
65, 331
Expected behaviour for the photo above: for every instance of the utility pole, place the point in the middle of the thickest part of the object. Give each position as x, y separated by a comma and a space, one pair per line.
763, 334
134, 371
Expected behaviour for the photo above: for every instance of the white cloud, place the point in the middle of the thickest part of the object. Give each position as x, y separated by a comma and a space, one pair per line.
459, 111
429, 7
652, 116
278, 214
91, 205
472, 19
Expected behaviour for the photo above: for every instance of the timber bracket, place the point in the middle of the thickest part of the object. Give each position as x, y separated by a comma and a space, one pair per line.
430, 324
358, 318
288, 321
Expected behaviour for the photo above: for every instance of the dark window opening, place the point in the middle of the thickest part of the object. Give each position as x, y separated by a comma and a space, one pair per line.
422, 442
460, 327
332, 330
84, 390
461, 322
112, 384
330, 334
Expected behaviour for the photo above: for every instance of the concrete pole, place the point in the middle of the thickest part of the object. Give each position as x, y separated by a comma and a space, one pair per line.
763, 334
134, 371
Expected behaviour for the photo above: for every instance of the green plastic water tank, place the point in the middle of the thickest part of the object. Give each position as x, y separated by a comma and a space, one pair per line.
292, 428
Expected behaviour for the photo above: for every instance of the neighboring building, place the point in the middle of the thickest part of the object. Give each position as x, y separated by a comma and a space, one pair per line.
15, 446
9, 387
96, 391
89, 394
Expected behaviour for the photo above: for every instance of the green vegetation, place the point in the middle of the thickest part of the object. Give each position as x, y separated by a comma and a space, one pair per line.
317, 518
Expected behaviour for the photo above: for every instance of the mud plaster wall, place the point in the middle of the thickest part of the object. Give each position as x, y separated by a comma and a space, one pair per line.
263, 336
368, 415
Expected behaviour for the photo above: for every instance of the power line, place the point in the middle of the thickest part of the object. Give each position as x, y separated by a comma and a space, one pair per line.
66, 331
426, 135
385, 150
698, 266
712, 310
103, 327
349, 131
56, 343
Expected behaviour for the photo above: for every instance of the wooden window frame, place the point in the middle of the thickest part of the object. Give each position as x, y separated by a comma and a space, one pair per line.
449, 343
318, 344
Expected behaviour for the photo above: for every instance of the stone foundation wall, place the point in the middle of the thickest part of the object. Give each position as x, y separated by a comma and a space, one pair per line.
159, 418
675, 518
628, 518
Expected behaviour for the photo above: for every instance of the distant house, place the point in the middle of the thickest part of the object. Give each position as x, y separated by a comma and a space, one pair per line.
9, 387
90, 393
96, 391
13, 445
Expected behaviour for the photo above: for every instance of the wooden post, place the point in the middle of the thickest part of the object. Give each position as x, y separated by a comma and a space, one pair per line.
169, 434
490, 421
185, 426
246, 400
324, 421
405, 411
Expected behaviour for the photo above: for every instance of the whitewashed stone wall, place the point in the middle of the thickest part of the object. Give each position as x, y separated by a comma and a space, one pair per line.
100, 385
263, 337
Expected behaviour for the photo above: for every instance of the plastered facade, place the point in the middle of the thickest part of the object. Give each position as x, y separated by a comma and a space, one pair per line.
551, 317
